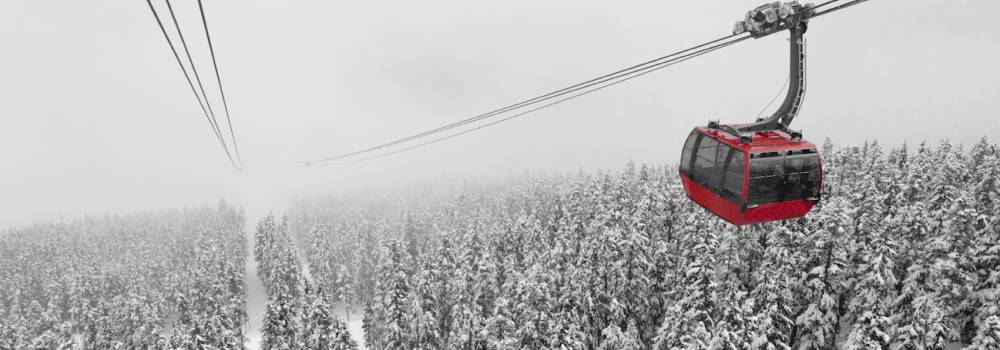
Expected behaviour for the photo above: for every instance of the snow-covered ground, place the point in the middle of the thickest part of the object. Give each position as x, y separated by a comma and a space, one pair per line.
353, 320
257, 295
352, 317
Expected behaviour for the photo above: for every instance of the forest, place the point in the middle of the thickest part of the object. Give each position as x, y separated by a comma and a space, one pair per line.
167, 280
298, 315
902, 253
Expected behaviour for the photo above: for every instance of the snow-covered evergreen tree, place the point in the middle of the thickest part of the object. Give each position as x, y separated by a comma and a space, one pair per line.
280, 329
771, 295
988, 336
820, 285
691, 319
321, 330
616, 339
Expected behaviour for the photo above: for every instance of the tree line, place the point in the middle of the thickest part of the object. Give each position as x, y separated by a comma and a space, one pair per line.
164, 280
903, 252
297, 315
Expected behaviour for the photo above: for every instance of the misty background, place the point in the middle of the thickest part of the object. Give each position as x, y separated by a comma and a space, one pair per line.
95, 116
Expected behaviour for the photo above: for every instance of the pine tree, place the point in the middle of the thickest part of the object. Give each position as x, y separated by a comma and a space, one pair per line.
985, 249
736, 326
615, 339
441, 274
369, 324
318, 326
534, 308
818, 320
988, 337
870, 332
771, 295
986, 257
342, 339
279, 329
478, 291
411, 235
874, 288
345, 289
321, 264
395, 324
691, 319
500, 329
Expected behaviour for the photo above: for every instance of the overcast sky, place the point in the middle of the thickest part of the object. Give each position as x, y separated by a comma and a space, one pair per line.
96, 117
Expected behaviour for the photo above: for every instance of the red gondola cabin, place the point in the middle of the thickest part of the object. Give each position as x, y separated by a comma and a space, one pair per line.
775, 176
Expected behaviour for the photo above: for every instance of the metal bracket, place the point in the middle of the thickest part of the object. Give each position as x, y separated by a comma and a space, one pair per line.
766, 20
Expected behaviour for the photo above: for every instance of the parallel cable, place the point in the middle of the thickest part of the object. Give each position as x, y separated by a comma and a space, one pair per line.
554, 94
828, 2
188, 78
218, 79
633, 75
643, 68
839, 7
197, 77
194, 69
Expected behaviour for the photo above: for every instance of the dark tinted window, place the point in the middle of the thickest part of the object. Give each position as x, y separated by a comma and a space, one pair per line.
801, 151
776, 177
767, 178
686, 153
803, 175
801, 163
766, 190
733, 187
766, 164
708, 171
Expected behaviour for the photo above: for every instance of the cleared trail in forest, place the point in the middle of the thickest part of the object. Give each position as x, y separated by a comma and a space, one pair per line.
256, 294
354, 324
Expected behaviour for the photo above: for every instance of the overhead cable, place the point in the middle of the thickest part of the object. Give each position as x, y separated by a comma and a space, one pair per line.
643, 67
554, 94
218, 78
190, 83
197, 77
628, 77
838, 8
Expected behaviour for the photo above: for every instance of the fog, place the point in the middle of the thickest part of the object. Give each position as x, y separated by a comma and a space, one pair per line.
95, 116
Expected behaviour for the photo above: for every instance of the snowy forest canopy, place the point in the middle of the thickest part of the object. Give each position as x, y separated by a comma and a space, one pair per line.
902, 253
297, 315
169, 280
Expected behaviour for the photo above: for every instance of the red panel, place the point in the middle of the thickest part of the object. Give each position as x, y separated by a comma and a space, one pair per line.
763, 141
714, 203
730, 211
792, 209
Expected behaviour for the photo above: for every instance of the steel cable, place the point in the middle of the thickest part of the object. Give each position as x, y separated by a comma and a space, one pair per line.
634, 75
197, 77
542, 98
644, 68
187, 77
218, 78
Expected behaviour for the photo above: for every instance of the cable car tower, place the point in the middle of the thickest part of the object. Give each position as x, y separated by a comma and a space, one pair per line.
760, 171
